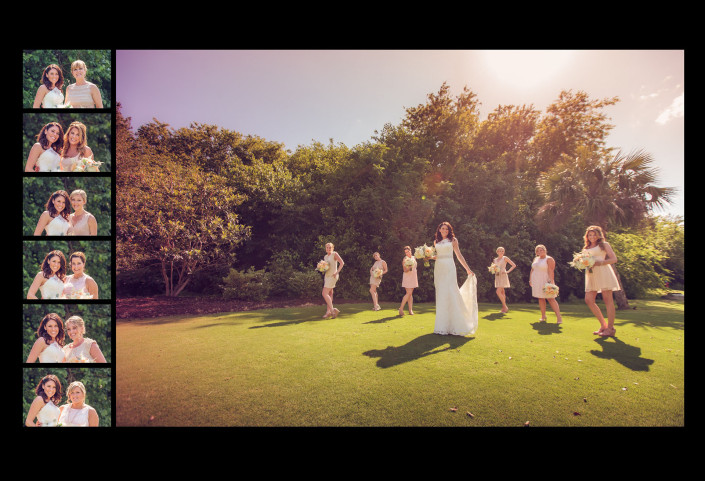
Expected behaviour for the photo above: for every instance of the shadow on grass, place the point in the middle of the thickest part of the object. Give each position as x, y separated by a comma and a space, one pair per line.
626, 355
423, 346
494, 316
300, 316
546, 328
384, 319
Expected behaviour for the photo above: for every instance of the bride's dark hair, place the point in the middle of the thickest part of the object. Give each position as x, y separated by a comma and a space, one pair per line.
46, 270
56, 398
439, 236
42, 331
67, 208
45, 79
44, 142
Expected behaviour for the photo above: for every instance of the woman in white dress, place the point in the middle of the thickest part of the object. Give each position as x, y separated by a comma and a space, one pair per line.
501, 279
55, 219
79, 284
44, 155
82, 94
75, 147
80, 221
542, 272
76, 413
376, 281
49, 346
456, 308
49, 92
44, 407
335, 265
81, 349
600, 279
50, 279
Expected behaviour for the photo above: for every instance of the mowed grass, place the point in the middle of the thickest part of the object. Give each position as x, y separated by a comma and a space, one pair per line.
290, 367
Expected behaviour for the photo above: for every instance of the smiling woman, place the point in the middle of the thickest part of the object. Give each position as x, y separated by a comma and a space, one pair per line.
525, 69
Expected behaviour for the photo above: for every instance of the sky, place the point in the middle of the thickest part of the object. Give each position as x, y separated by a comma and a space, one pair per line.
298, 97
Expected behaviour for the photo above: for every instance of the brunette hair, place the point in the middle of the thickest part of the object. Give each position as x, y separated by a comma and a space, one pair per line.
39, 390
600, 236
44, 142
46, 270
47, 82
439, 236
67, 206
42, 331
81, 147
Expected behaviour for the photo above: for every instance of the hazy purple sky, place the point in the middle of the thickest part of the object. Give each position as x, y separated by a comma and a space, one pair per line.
299, 96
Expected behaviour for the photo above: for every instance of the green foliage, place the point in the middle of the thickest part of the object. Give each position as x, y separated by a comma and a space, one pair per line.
98, 63
250, 285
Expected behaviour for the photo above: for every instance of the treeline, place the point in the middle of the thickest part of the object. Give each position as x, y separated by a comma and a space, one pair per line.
209, 211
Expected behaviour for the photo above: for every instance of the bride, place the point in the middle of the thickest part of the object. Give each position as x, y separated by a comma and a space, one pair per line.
44, 155
76, 412
49, 347
456, 308
44, 407
55, 219
49, 92
50, 279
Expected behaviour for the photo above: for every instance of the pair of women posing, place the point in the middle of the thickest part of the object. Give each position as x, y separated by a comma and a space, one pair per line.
82, 94
56, 151
49, 346
45, 412
53, 283
57, 220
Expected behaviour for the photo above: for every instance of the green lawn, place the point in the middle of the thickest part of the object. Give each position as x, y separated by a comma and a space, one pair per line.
289, 367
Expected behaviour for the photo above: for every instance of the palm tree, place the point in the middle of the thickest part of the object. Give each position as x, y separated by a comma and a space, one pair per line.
602, 191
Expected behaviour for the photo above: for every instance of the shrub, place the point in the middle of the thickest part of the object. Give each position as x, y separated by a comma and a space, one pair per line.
305, 284
250, 285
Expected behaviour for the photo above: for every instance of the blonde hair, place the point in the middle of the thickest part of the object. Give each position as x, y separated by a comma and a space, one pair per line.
78, 63
80, 192
498, 248
330, 244
79, 385
540, 246
78, 320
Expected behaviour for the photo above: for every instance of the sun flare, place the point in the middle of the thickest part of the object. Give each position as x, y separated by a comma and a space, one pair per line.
525, 69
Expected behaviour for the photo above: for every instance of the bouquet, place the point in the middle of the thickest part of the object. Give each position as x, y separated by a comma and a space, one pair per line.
582, 260
82, 358
377, 272
425, 252
550, 290
86, 165
75, 294
409, 262
494, 269
322, 266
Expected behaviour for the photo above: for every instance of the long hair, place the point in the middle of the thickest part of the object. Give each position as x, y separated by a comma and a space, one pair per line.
39, 390
44, 142
45, 79
46, 270
42, 331
81, 147
600, 236
439, 236
67, 204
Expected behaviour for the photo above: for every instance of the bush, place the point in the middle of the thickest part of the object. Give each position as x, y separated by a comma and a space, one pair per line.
305, 284
250, 285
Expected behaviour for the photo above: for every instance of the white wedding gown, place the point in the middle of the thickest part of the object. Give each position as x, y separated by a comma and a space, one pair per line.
48, 416
456, 308
52, 288
49, 161
52, 353
57, 226
54, 98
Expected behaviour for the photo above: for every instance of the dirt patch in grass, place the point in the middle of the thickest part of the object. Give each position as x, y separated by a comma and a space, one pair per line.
162, 306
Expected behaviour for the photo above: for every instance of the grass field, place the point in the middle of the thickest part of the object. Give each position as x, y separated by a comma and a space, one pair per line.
290, 367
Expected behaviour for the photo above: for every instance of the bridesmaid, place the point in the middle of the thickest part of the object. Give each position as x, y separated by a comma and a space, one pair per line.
375, 281
44, 407
49, 92
82, 94
80, 221
55, 219
76, 412
75, 147
81, 348
49, 346
601, 279
44, 155
331, 277
501, 280
79, 280
409, 280
542, 270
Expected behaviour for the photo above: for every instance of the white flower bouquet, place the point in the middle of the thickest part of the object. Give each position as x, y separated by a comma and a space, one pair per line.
86, 165
425, 252
409, 262
75, 294
493, 268
550, 290
322, 266
582, 260
377, 272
